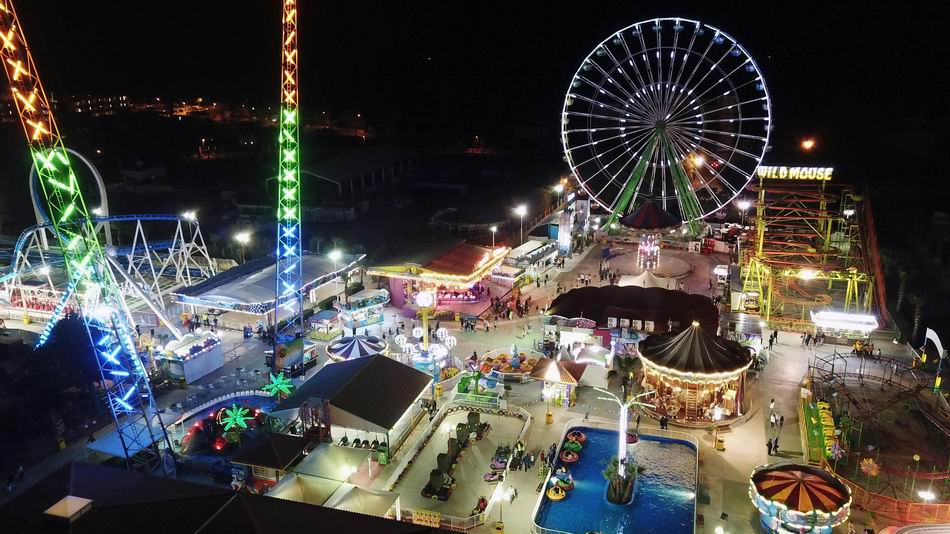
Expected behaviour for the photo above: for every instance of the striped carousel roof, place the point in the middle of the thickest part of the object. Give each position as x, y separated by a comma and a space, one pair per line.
348, 348
801, 487
695, 351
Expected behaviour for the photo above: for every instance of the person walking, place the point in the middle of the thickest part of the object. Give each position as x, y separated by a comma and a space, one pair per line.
772, 405
771, 342
768, 445
781, 422
772, 420
775, 445
638, 422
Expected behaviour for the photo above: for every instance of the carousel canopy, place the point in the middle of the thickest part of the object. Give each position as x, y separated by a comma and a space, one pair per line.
801, 488
694, 351
349, 348
650, 217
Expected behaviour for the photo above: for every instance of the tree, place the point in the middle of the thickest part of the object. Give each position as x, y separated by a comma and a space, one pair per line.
620, 488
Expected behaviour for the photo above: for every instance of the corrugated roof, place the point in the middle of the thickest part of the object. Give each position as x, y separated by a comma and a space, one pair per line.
461, 260
376, 389
274, 451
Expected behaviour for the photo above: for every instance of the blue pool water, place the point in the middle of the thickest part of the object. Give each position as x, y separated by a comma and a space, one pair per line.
663, 499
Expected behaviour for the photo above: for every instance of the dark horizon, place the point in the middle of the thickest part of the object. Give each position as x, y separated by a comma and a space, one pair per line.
852, 79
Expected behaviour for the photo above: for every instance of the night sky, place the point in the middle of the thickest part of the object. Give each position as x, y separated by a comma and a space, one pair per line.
864, 81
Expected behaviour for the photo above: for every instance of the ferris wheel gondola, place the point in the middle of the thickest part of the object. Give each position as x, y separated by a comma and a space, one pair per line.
667, 109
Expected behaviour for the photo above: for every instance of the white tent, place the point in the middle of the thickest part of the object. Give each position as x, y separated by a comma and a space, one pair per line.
648, 279
362, 501
333, 462
303, 488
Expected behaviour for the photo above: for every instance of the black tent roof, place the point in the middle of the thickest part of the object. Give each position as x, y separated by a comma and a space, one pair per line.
270, 450
145, 504
695, 351
650, 216
638, 304
376, 388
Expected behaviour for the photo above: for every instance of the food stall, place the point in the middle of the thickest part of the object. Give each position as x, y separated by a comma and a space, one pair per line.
325, 325
363, 308
193, 356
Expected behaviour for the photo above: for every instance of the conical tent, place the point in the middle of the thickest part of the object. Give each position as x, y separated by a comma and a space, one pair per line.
348, 348
650, 217
694, 352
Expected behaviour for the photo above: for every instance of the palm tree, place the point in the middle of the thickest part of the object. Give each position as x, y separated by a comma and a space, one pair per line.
620, 489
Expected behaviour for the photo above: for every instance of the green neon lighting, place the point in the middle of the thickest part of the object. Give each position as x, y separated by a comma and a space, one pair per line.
235, 416
67, 212
279, 385
633, 183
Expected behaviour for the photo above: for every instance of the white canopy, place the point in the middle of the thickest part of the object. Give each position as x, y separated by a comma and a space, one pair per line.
362, 501
303, 488
648, 279
332, 462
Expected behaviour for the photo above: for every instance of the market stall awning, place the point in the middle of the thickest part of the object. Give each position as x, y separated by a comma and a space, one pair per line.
332, 462
695, 352
801, 488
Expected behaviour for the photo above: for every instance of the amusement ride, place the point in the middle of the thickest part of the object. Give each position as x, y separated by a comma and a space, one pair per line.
670, 110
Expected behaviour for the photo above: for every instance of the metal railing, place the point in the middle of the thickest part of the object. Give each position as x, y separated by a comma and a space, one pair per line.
447, 521
644, 431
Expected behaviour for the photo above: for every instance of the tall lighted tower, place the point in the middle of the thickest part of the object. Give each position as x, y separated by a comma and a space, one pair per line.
288, 310
123, 374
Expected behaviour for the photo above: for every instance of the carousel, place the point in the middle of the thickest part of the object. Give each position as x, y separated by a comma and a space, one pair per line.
647, 223
698, 378
794, 498
350, 348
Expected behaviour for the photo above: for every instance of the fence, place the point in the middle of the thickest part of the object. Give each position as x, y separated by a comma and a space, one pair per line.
897, 509
655, 432
177, 426
449, 522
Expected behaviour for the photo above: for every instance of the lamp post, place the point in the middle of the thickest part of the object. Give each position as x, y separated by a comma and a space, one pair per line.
559, 188
624, 409
335, 256
808, 144
243, 238
743, 205
426, 301
521, 210
493, 229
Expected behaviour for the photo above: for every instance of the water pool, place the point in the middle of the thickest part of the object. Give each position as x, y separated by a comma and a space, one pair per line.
664, 497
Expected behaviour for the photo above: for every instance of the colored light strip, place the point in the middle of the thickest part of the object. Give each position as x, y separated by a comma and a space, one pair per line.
289, 284
119, 365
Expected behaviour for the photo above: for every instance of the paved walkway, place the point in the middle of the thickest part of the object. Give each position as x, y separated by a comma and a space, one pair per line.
724, 475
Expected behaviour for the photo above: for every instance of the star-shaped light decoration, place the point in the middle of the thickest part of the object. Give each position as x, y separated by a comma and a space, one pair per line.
870, 468
236, 416
279, 385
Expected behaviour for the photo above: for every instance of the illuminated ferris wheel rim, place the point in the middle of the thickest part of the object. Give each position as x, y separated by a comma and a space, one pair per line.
668, 121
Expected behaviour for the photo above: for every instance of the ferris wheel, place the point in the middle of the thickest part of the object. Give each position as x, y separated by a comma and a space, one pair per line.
667, 109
